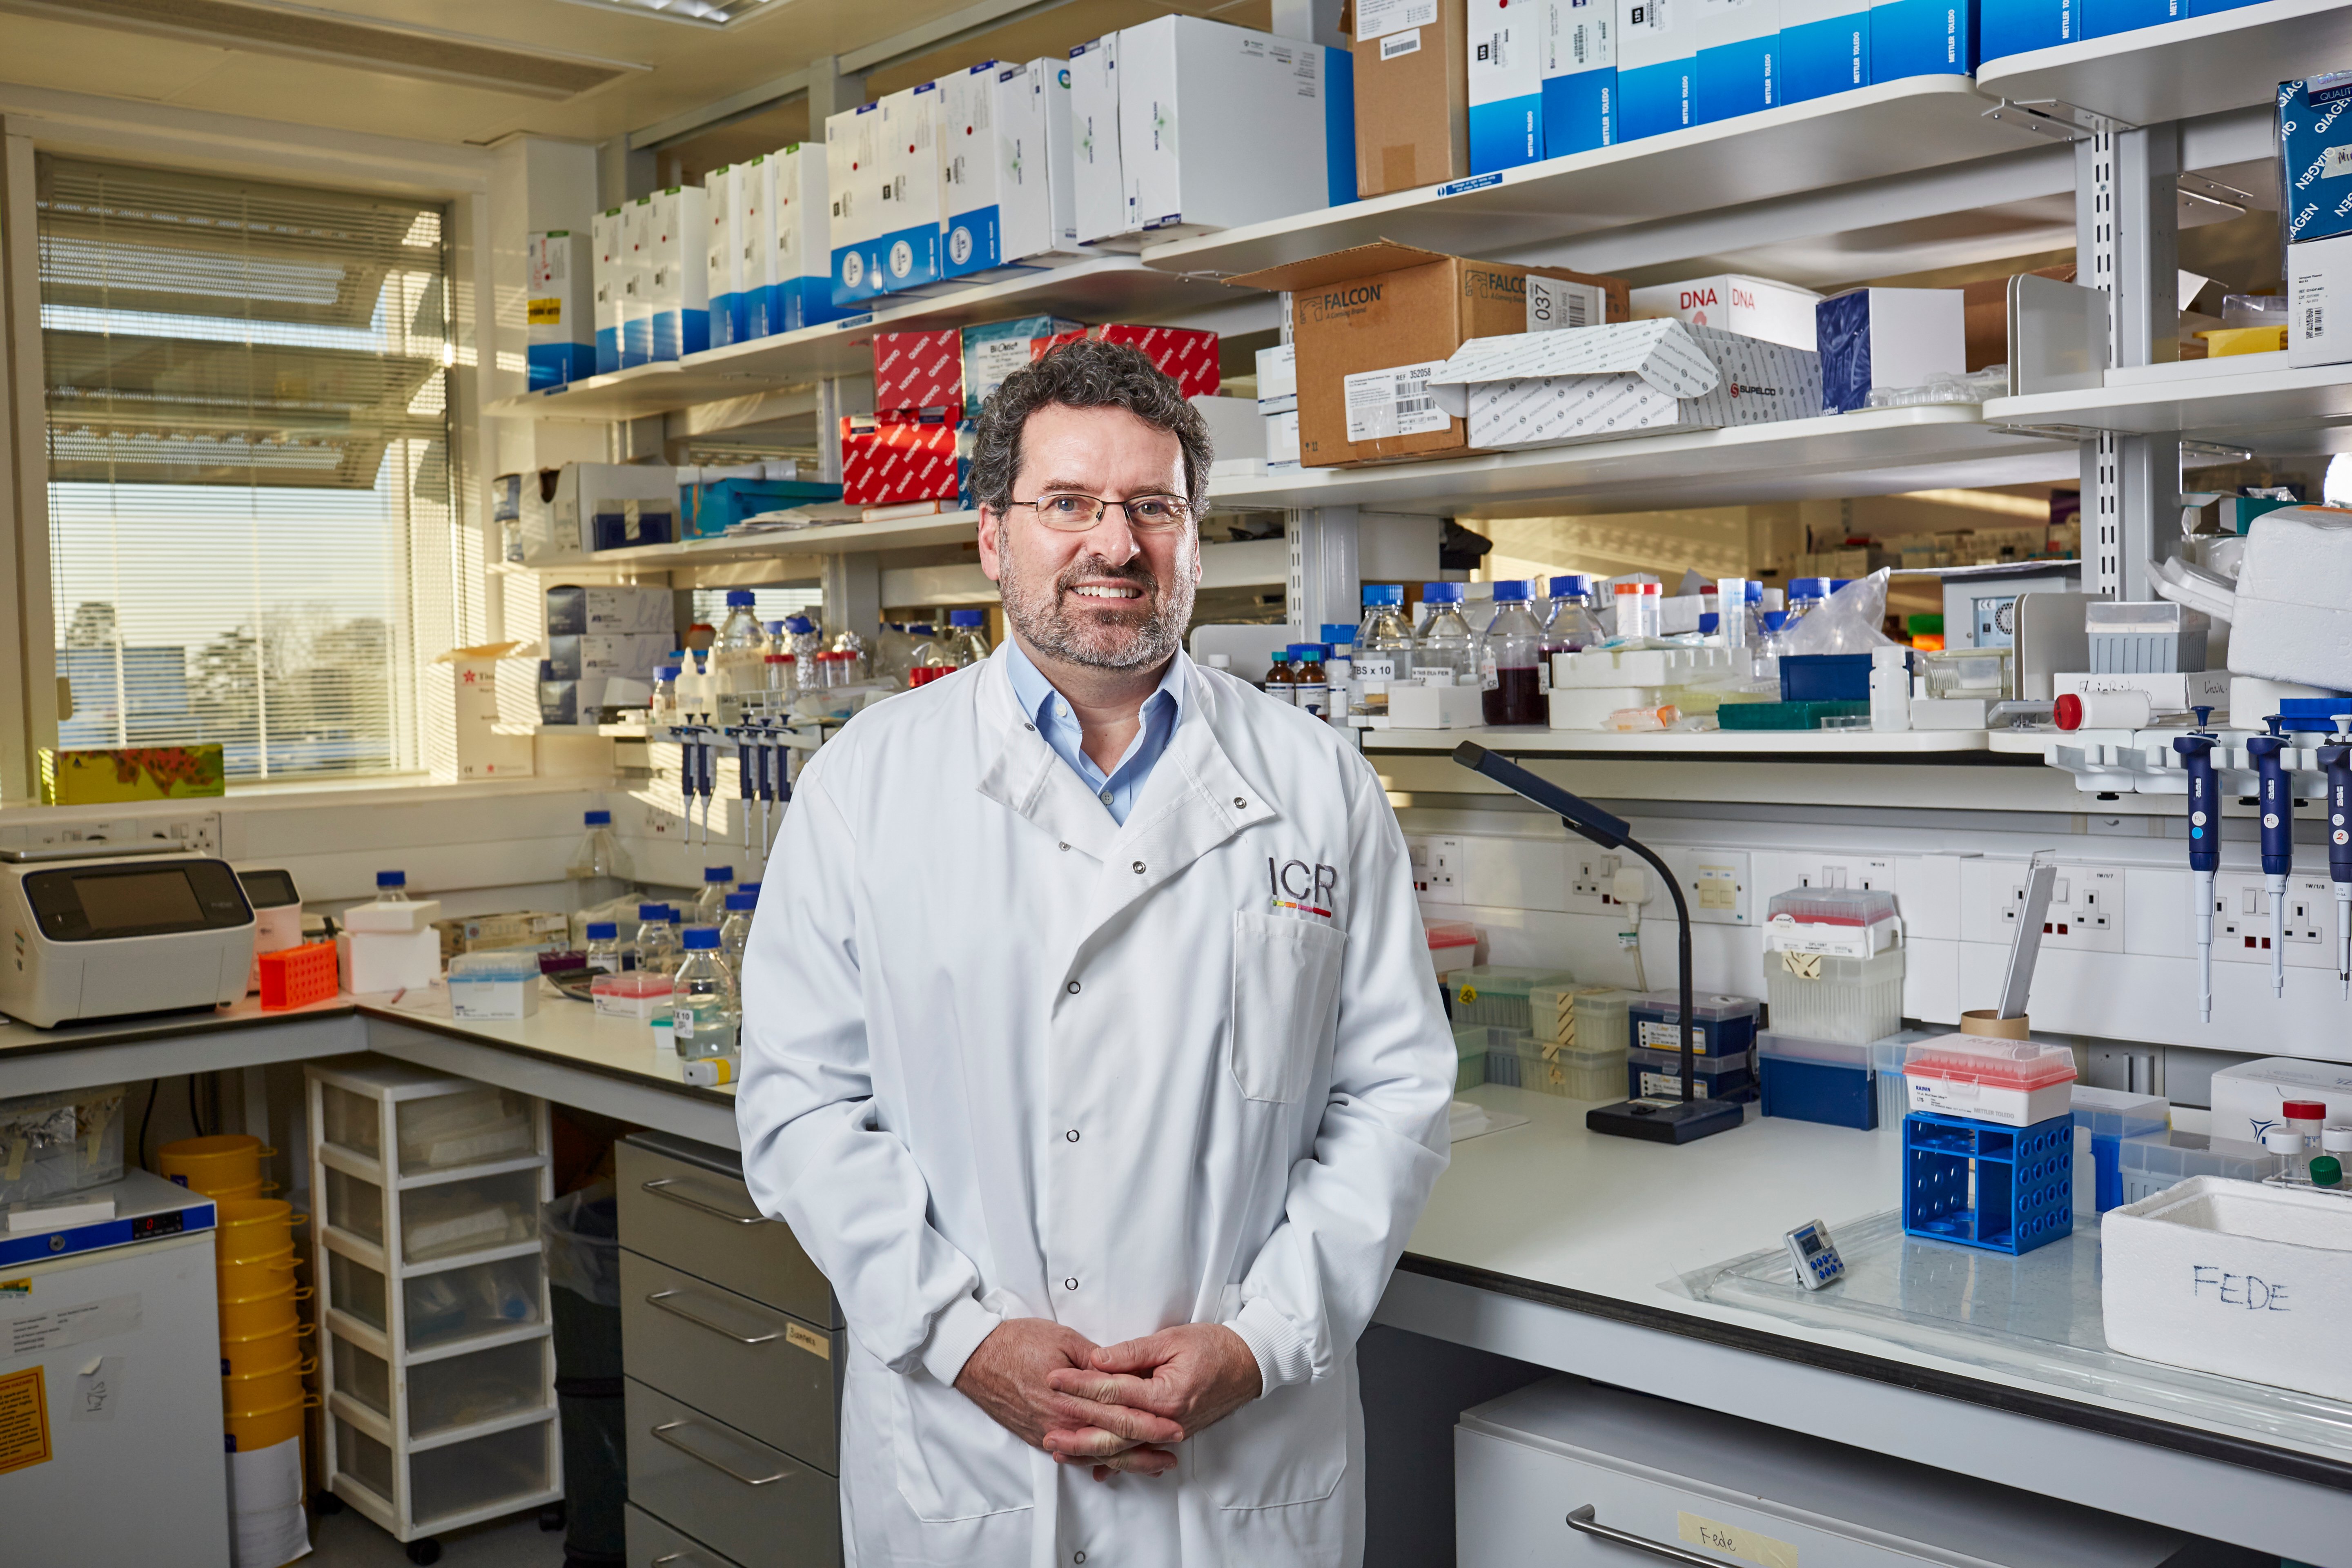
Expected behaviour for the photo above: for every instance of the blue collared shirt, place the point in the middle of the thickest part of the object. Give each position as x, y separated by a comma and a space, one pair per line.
1119, 788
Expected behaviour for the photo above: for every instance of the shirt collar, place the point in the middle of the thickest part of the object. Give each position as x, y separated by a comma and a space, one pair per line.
1034, 692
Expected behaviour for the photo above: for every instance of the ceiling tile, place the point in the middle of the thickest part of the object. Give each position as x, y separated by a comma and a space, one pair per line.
41, 53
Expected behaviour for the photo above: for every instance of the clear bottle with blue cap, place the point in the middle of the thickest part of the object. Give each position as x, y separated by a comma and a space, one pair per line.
735, 931
656, 943
604, 953
392, 888
967, 636
599, 855
1511, 660
1570, 625
740, 656
710, 907
704, 1007
1444, 653
1384, 651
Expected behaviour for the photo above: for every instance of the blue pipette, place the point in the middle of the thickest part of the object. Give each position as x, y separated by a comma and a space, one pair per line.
2277, 809
2337, 760
2196, 750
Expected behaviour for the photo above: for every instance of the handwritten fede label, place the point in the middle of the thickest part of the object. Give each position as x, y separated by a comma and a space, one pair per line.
2250, 1292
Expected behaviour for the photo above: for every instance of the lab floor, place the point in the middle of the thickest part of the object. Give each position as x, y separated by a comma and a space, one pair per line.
348, 1539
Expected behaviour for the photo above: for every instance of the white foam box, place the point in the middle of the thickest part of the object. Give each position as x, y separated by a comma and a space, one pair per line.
1752, 307
1413, 706
852, 174
1653, 666
1049, 82
2246, 1098
2239, 1279
2259, 699
2293, 612
678, 272
373, 961
1218, 126
2166, 693
1098, 188
398, 919
1585, 707
2319, 297
1627, 378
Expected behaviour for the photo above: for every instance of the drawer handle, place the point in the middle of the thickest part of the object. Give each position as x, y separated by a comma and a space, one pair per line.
666, 1427
660, 1187
1584, 1522
662, 1298
669, 1557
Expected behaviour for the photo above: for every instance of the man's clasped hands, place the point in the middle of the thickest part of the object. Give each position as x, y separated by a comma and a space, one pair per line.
1119, 1407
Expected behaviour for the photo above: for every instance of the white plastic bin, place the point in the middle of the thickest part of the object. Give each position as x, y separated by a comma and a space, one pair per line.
470, 1129
472, 1215
1845, 1001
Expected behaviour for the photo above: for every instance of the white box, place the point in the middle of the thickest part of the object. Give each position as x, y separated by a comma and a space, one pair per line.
1282, 439
1555, 304
1657, 48
1948, 712
1547, 389
391, 920
1734, 64
1218, 127
1024, 163
1049, 84
1413, 706
1873, 338
755, 236
2294, 615
1277, 379
1989, 1102
1659, 667
1236, 429
853, 147
680, 272
610, 609
1587, 706
1505, 66
2319, 303
970, 122
377, 961
493, 1001
560, 313
905, 253
1580, 76
800, 273
2239, 1279
1752, 307
1099, 187
2246, 1098
723, 258
612, 287
636, 282
487, 746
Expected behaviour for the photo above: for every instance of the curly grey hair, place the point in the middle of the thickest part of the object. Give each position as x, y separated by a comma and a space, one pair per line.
1084, 374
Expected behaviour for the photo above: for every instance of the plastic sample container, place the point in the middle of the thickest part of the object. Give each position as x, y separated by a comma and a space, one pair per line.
2005, 1189
1893, 1088
1589, 1015
1497, 995
450, 1219
2109, 1116
497, 986
1726, 1024
1829, 1081
1826, 996
1570, 1072
2147, 1165
468, 1129
1453, 945
2015, 1083
1853, 922
297, 976
1488, 1052
1658, 1074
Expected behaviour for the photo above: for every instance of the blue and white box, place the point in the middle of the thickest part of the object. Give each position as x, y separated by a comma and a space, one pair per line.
799, 269
755, 234
1657, 90
995, 350
1049, 85
1097, 181
638, 282
2314, 135
2102, 18
1874, 337
853, 173
1738, 42
972, 226
722, 252
1506, 70
560, 309
2019, 26
1922, 37
612, 285
1580, 76
907, 252
680, 272
1825, 47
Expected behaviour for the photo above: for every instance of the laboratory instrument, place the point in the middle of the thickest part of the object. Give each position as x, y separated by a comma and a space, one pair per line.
104, 931
2196, 753
2277, 809
2336, 760
2025, 943
1814, 1254
1511, 661
1655, 1120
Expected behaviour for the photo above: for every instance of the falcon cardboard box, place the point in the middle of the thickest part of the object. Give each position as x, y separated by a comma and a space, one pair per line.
1369, 323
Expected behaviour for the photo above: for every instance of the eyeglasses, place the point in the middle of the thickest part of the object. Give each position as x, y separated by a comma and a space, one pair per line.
1069, 513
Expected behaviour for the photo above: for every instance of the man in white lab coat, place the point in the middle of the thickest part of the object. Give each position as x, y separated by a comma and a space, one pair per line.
1091, 1047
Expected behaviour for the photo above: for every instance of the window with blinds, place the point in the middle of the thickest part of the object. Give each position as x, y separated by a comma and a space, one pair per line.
253, 534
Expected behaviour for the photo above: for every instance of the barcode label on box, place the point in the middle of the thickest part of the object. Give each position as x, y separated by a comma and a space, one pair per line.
1382, 403
1396, 44
1554, 305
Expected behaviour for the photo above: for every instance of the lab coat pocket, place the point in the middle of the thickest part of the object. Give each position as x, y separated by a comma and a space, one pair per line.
953, 1461
1286, 985
1290, 1447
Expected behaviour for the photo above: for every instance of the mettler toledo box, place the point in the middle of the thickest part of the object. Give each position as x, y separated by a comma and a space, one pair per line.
560, 309
755, 230
1049, 82
611, 287
722, 258
800, 270
2102, 17
680, 273
1737, 42
963, 131
854, 179
1098, 185
2016, 26
1922, 37
1655, 88
1220, 126
905, 253
638, 282
1580, 76
1824, 48
1506, 72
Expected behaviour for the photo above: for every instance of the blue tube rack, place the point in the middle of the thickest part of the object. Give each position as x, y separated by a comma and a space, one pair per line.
2005, 1189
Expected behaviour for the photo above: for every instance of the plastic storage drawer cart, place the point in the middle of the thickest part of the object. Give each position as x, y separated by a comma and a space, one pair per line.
434, 1326
2006, 1189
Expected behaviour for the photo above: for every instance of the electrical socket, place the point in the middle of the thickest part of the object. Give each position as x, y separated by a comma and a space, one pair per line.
1843, 872
1595, 875
1436, 869
196, 832
2087, 909
2242, 919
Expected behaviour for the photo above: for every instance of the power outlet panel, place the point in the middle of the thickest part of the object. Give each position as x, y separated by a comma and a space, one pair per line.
2086, 909
1592, 879
1715, 884
198, 832
1437, 867
2242, 930
1843, 872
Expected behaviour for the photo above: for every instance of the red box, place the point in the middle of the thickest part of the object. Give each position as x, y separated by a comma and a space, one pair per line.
891, 457
1187, 358
918, 370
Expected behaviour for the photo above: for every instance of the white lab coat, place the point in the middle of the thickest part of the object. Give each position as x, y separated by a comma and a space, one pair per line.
1005, 1057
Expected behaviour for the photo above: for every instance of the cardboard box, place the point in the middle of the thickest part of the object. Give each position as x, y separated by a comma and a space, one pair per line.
104, 776
611, 267
1377, 308
894, 458
678, 272
1922, 37
1824, 48
918, 370
611, 610
1551, 389
1049, 82
853, 182
1871, 338
1184, 355
560, 309
1580, 76
487, 747
1735, 63
1505, 85
1413, 104
1657, 88
1098, 183
636, 282
2315, 129
800, 273
722, 258
1555, 305
1218, 127
995, 350
1752, 307
574, 655
2017, 27
2319, 290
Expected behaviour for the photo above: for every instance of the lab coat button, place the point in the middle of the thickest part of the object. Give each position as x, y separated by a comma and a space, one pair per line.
1239, 804
1073, 988
1138, 867
1062, 847
1077, 1557
1069, 1284
1072, 1134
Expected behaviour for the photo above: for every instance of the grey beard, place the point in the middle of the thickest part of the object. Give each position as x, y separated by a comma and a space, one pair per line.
1037, 612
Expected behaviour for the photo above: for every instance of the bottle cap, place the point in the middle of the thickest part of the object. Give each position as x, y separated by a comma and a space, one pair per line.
1384, 593
1626, 588
391, 878
1334, 636
2336, 1140
718, 873
2282, 1140
2304, 1110
1755, 592
664, 672
1808, 588
775, 629
1441, 593
600, 819
2326, 1170
967, 618
741, 598
652, 912
1510, 593
1306, 653
799, 626
601, 930
781, 658
1571, 585
1282, 655
701, 939
752, 888
742, 900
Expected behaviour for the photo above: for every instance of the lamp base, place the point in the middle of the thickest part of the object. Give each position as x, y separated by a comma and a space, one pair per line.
1663, 1121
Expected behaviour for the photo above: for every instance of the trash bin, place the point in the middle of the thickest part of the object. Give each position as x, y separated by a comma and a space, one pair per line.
581, 1232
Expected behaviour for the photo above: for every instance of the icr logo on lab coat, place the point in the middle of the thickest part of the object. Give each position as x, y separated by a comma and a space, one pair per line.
1314, 896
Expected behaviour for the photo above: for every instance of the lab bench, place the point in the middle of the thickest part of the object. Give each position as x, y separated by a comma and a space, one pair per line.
1634, 1264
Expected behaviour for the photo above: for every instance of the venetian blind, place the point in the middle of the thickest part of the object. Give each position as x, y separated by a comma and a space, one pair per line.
253, 533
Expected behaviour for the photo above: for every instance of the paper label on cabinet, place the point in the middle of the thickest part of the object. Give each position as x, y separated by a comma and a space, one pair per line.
1745, 1545
24, 1420
43, 1332
809, 1340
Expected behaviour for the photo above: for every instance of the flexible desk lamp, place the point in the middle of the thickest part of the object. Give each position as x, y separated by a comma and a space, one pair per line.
1658, 1121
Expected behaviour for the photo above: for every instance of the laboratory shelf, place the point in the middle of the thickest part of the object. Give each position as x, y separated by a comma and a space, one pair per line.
2242, 399
1761, 745
488, 1339
1881, 451
1103, 288
488, 1167
1891, 128
2177, 71
822, 539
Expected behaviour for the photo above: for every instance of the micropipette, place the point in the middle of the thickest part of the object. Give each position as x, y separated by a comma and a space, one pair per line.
2277, 808
2196, 750
743, 778
2337, 760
